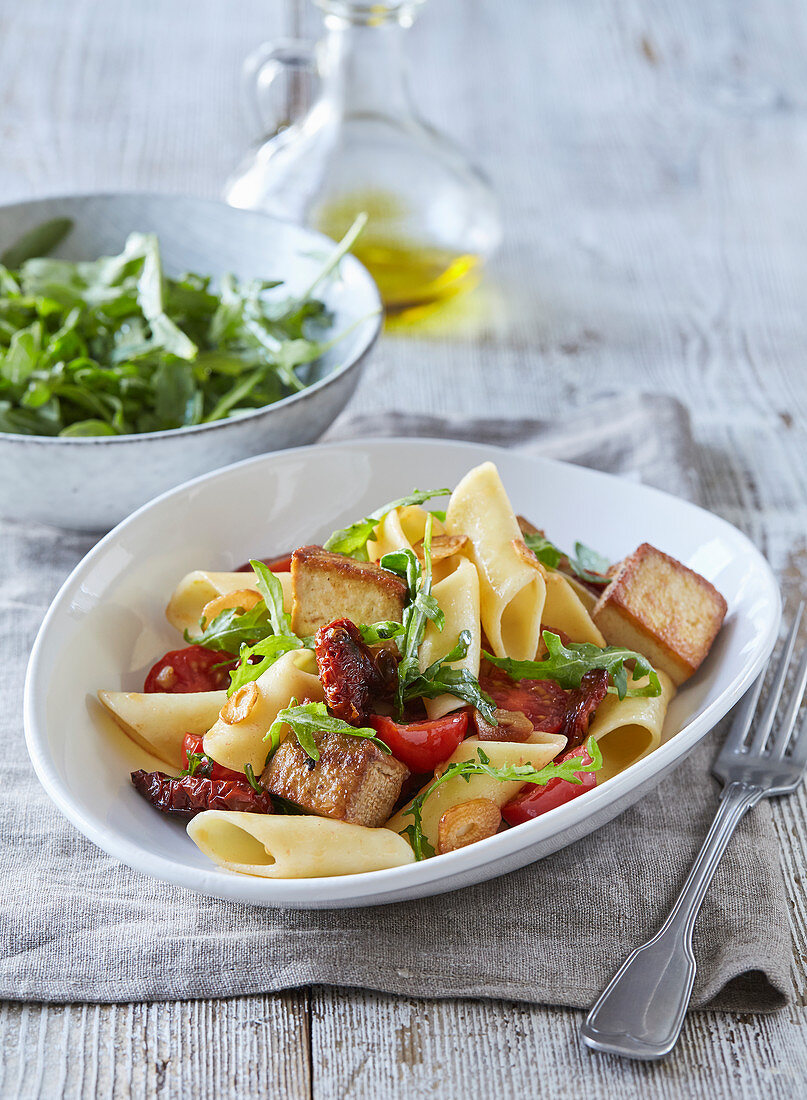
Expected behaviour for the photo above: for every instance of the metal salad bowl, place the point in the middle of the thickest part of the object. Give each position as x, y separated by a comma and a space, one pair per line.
92, 482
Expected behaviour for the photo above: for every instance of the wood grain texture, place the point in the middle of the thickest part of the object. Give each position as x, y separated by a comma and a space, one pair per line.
653, 159
252, 1046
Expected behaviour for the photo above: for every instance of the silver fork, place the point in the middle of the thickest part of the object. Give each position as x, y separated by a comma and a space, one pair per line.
642, 1010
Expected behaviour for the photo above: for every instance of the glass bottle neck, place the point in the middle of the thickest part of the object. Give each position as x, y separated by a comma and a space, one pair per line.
364, 66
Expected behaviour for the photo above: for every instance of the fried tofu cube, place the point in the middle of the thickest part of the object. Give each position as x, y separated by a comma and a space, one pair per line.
327, 586
353, 780
662, 609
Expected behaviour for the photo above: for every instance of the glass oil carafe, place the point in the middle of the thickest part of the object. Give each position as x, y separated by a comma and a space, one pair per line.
347, 139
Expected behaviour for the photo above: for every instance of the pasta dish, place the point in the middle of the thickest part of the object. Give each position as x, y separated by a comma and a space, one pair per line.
422, 681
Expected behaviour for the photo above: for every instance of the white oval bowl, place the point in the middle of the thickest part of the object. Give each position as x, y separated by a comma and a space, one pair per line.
106, 627
91, 484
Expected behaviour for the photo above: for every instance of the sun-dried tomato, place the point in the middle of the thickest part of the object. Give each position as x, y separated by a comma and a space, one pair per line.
350, 672
191, 794
194, 668
581, 705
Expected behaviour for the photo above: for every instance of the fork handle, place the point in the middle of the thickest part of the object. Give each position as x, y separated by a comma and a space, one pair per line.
641, 1012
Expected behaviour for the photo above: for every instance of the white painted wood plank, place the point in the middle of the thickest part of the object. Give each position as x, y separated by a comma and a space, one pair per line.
371, 1045
248, 1047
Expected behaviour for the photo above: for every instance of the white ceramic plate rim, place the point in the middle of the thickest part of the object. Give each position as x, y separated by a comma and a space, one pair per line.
375, 887
320, 239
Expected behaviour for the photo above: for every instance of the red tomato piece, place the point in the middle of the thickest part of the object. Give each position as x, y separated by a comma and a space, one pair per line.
422, 745
192, 669
194, 744
280, 564
543, 701
534, 801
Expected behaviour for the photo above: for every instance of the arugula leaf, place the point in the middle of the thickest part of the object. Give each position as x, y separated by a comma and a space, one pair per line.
352, 541
566, 769
114, 346
233, 628
264, 631
38, 241
567, 665
589, 565
253, 782
271, 635
269, 650
195, 759
151, 298
440, 679
585, 563
282, 806
272, 591
373, 633
338, 253
421, 608
307, 719
545, 551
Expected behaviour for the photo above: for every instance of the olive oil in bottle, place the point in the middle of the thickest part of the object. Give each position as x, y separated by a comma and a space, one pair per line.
415, 276
354, 142
409, 274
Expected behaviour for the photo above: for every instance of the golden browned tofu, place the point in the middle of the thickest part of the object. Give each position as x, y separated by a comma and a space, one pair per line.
328, 586
353, 780
662, 609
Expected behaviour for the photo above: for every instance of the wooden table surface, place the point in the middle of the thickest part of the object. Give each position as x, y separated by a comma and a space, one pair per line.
653, 159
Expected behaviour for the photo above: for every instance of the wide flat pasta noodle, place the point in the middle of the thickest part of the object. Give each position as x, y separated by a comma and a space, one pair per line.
454, 792
238, 744
158, 721
511, 592
564, 610
585, 595
626, 730
199, 587
458, 597
282, 846
401, 529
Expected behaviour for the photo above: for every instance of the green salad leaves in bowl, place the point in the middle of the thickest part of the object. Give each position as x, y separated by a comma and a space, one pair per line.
145, 339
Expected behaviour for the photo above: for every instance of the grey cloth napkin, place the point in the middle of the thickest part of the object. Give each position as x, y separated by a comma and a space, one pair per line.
78, 926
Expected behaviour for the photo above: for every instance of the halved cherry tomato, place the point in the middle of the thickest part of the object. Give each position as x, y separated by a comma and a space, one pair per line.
192, 669
534, 801
194, 744
422, 745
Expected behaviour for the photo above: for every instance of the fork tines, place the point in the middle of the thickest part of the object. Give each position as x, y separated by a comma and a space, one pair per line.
745, 718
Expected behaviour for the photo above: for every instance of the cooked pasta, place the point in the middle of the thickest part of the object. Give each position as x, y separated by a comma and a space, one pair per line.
502, 754
400, 529
274, 846
564, 610
458, 597
195, 591
511, 593
158, 721
628, 729
235, 741
490, 673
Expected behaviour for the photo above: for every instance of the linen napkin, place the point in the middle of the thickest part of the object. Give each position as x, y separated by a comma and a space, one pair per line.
78, 926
